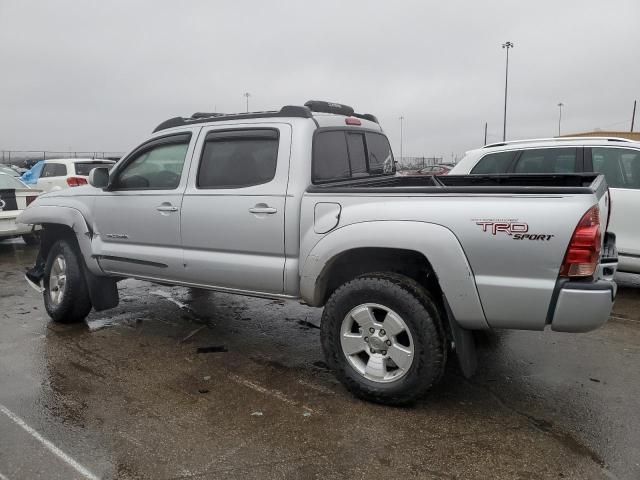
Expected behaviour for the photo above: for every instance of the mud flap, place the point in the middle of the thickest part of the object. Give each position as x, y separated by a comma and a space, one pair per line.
464, 344
103, 291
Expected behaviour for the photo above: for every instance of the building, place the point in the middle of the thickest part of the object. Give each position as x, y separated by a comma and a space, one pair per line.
605, 133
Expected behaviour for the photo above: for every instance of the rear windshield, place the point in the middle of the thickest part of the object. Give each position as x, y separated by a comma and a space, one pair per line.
344, 154
83, 168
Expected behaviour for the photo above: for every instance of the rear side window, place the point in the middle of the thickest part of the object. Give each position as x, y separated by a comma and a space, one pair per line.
343, 154
494, 163
239, 158
54, 170
547, 160
620, 166
83, 168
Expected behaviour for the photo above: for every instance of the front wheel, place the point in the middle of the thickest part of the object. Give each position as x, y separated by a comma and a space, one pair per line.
66, 297
382, 336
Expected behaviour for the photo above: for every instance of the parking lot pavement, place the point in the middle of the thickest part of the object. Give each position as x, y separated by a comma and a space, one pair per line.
127, 395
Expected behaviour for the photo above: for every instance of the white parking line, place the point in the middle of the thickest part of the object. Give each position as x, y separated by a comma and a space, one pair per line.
47, 444
274, 393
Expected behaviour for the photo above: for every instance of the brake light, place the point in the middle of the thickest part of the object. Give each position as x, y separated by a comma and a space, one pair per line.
352, 121
30, 199
583, 253
76, 181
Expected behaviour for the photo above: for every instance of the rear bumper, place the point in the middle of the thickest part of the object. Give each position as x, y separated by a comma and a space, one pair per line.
10, 228
583, 306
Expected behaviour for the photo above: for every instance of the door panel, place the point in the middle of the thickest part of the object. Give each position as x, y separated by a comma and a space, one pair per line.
621, 168
138, 219
233, 209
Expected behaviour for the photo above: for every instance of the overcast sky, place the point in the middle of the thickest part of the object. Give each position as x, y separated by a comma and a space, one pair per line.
101, 75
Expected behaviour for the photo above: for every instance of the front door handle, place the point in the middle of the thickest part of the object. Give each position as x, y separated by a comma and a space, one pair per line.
166, 208
263, 208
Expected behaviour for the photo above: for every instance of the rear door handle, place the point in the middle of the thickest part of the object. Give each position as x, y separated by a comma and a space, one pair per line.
263, 208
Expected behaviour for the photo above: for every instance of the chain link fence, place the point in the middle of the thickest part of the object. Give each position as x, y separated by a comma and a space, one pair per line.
416, 163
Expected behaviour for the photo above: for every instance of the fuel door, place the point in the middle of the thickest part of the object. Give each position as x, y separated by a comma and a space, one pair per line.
327, 216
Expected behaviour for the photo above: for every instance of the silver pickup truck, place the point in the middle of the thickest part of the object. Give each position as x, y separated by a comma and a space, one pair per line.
303, 203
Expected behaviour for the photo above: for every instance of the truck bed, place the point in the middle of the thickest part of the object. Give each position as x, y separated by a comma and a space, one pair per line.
585, 183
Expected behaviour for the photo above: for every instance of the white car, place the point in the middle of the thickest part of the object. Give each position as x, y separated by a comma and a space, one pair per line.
61, 173
617, 158
14, 198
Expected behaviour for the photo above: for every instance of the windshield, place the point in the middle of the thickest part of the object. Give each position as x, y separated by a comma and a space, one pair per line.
8, 181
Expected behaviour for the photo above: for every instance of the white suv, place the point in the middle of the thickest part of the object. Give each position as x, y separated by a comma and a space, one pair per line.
62, 173
617, 158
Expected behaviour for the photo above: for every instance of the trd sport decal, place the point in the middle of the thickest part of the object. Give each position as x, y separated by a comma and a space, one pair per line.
516, 230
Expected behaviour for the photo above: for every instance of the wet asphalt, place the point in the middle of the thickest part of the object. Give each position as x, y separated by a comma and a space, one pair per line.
185, 384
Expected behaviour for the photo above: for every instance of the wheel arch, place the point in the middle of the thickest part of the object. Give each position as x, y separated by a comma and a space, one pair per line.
62, 220
428, 253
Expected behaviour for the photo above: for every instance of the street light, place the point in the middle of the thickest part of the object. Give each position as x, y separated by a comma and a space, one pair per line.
506, 45
401, 137
560, 105
247, 95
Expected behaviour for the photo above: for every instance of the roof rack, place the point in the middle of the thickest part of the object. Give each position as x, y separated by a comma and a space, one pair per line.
556, 139
203, 117
318, 106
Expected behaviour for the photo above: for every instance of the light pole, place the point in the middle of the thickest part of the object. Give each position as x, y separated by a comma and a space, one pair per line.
560, 105
401, 136
506, 45
247, 95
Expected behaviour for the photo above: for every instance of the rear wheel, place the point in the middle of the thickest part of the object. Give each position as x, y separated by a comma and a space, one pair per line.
66, 297
382, 335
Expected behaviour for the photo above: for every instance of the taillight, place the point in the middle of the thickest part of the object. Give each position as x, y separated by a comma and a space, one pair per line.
76, 181
583, 253
30, 199
352, 121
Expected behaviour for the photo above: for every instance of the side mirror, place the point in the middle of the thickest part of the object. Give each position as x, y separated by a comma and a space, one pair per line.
99, 177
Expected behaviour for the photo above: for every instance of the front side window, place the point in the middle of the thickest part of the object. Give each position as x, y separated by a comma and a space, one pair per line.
54, 170
158, 167
620, 166
547, 160
494, 163
239, 158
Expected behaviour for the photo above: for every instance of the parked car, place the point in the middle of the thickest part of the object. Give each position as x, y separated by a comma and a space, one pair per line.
15, 196
440, 169
618, 159
61, 173
6, 170
303, 203
30, 177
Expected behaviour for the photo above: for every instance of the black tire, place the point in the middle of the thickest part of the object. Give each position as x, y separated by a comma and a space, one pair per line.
31, 239
75, 304
421, 315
